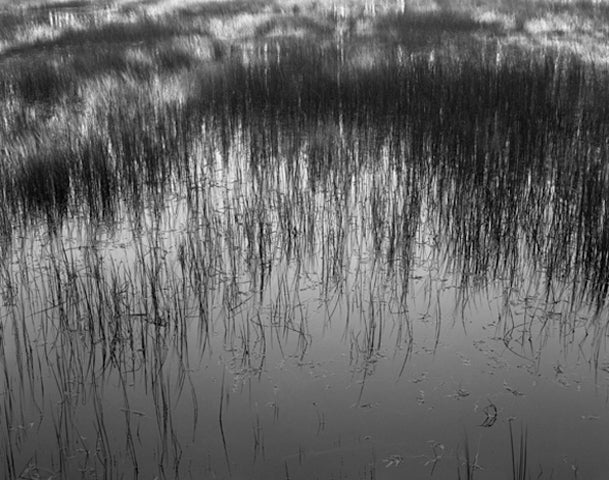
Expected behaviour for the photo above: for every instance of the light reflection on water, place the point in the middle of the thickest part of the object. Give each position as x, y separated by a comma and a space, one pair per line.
191, 342
331, 298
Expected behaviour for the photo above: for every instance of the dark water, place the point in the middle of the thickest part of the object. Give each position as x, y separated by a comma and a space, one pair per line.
315, 270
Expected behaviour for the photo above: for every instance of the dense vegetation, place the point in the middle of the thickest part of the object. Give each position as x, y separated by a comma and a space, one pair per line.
170, 171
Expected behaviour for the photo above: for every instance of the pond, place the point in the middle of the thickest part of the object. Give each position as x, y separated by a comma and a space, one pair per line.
309, 269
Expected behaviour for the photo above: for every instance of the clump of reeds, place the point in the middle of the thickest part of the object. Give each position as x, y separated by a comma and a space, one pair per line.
42, 182
468, 462
519, 454
501, 130
41, 81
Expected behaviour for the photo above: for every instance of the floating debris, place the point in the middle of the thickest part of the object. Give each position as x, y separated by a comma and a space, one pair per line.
393, 461
438, 452
464, 360
590, 417
512, 390
460, 393
419, 378
490, 412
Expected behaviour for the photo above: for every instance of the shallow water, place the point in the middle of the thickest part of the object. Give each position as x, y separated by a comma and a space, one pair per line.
338, 301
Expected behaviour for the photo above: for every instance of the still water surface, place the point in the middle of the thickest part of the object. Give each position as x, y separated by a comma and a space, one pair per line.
358, 302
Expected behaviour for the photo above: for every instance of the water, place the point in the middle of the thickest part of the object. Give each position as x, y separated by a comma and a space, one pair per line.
314, 288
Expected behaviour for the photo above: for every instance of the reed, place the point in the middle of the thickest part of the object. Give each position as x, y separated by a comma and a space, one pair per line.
202, 190
519, 454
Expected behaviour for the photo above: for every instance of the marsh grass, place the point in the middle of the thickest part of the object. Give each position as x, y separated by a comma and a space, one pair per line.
44, 82
468, 462
245, 169
419, 26
519, 455
511, 134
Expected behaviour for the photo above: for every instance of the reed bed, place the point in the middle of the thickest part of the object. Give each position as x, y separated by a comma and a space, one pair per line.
165, 203
521, 142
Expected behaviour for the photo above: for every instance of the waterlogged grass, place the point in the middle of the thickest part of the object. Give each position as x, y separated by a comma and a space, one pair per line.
522, 143
519, 455
250, 191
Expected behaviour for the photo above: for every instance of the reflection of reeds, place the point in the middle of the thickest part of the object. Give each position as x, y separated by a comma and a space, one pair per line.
42, 81
507, 157
468, 462
519, 454
297, 174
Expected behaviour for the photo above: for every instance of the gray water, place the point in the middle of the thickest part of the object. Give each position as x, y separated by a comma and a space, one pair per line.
343, 301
